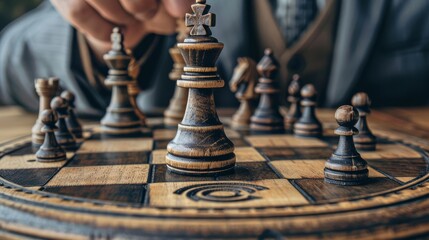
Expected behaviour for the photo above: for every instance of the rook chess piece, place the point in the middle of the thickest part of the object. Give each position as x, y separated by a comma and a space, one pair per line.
50, 151
46, 88
243, 84
176, 110
120, 118
365, 140
200, 146
294, 112
63, 135
267, 117
72, 122
308, 125
346, 166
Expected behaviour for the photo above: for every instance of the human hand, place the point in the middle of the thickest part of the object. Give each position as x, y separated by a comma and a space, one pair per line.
137, 18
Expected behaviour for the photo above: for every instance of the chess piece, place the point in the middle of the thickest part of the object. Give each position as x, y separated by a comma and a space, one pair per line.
72, 122
243, 84
365, 140
120, 118
176, 110
308, 125
200, 146
294, 112
63, 135
133, 91
50, 151
267, 117
346, 166
46, 88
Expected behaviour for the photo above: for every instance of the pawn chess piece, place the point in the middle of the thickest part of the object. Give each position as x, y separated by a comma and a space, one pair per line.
72, 122
345, 166
120, 118
200, 146
267, 117
308, 125
243, 84
50, 151
63, 135
46, 88
176, 109
294, 112
365, 140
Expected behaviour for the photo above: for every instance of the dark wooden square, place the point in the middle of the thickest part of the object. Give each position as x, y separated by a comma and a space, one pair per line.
160, 174
29, 177
401, 167
114, 158
249, 172
161, 144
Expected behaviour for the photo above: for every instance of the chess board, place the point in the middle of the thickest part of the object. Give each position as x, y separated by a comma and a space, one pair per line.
121, 188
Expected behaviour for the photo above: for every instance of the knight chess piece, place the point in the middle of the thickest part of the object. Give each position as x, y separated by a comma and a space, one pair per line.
243, 84
365, 140
200, 146
64, 136
176, 109
46, 88
120, 118
72, 122
50, 151
308, 125
294, 113
267, 117
346, 166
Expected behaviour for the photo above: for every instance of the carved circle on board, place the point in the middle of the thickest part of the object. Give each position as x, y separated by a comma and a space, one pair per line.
221, 192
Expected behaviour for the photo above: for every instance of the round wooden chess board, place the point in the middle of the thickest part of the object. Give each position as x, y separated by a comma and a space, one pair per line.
120, 188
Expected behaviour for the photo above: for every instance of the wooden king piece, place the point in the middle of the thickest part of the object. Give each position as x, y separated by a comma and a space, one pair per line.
200, 146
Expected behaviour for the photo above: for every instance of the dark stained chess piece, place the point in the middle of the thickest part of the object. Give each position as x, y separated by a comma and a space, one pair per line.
200, 146
243, 84
64, 136
365, 140
308, 125
267, 117
73, 123
294, 113
50, 151
46, 88
346, 166
176, 110
120, 118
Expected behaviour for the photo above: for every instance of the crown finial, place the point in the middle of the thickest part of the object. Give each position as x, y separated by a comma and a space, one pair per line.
201, 20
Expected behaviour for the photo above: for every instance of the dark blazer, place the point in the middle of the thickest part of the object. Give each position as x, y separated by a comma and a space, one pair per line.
381, 47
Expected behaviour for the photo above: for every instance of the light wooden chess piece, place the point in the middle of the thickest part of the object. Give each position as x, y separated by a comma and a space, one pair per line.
243, 84
201, 146
46, 88
294, 113
176, 110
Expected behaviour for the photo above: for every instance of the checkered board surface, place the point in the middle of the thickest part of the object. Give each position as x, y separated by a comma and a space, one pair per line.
271, 170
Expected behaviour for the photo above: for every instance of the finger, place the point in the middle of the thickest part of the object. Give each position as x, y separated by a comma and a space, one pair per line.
178, 8
162, 23
141, 9
84, 18
113, 11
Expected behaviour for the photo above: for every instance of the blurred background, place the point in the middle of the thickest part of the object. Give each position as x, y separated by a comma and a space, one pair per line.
10, 10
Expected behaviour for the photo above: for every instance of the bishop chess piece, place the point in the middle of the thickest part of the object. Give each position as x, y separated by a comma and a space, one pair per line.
346, 166
365, 140
50, 151
267, 117
73, 123
308, 125
294, 99
64, 136
176, 110
200, 146
46, 88
243, 84
120, 118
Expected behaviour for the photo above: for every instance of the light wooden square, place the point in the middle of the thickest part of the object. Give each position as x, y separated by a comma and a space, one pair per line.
158, 156
29, 162
116, 145
248, 154
232, 133
297, 169
277, 192
101, 175
389, 151
283, 141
